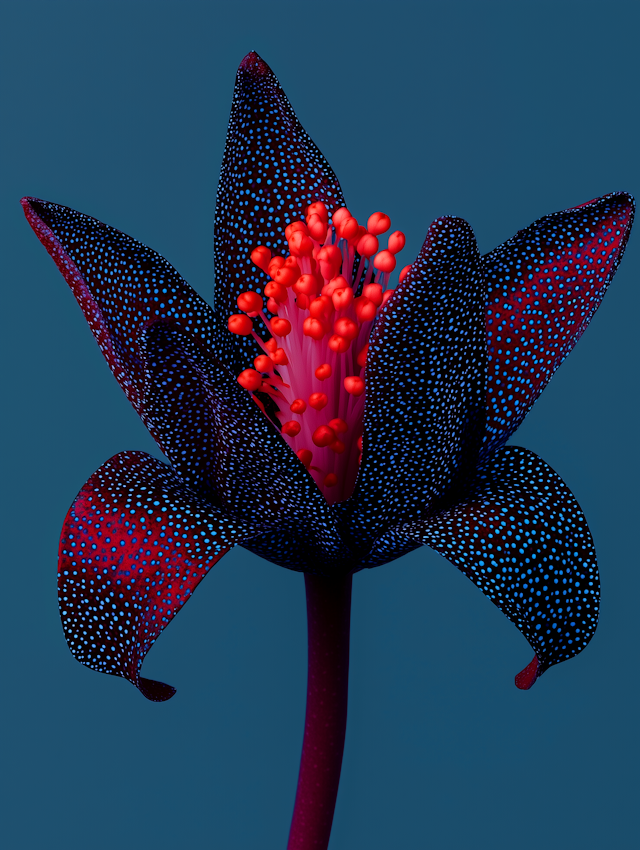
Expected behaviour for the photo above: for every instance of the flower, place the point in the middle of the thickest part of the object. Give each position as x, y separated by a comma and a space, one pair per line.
263, 433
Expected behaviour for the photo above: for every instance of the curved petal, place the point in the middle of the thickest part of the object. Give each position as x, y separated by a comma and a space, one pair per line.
134, 546
545, 285
222, 445
270, 173
424, 413
120, 284
521, 537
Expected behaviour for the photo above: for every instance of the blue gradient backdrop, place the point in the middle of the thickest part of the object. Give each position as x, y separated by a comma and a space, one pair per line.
497, 112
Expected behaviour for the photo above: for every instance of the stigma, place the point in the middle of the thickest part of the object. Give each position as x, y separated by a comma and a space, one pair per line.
323, 298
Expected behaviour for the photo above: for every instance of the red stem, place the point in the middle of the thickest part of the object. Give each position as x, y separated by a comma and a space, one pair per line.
328, 620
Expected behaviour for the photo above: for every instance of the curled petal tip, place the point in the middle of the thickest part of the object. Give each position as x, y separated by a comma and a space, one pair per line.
254, 64
526, 677
155, 691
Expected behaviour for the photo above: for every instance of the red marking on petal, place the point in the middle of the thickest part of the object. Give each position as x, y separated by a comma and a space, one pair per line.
526, 677
330, 480
362, 356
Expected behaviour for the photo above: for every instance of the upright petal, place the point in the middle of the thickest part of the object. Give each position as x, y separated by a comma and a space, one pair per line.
224, 447
545, 284
424, 413
135, 544
120, 285
520, 536
270, 173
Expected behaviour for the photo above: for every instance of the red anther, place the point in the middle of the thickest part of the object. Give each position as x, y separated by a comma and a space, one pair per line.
373, 291
318, 208
305, 456
263, 363
338, 282
330, 254
378, 223
361, 359
346, 328
280, 327
300, 244
318, 400
321, 307
359, 442
339, 426
405, 271
250, 302
286, 276
290, 229
323, 372
302, 302
291, 428
298, 406
307, 284
330, 480
317, 227
324, 436
365, 309
292, 263
313, 328
338, 344
339, 215
272, 305
250, 379
367, 245
279, 357
271, 345
384, 262
347, 227
396, 241
276, 291
387, 296
354, 385
341, 298
275, 264
338, 447
240, 324
261, 257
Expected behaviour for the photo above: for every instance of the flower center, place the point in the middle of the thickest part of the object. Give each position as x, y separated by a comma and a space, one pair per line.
323, 310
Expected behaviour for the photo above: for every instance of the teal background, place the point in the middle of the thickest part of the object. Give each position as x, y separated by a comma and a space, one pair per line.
499, 112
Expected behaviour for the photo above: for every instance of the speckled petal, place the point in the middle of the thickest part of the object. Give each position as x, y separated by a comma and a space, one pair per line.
270, 173
545, 284
521, 537
120, 284
424, 413
134, 546
222, 445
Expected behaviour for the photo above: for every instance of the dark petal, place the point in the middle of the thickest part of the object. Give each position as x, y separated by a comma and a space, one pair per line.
521, 537
223, 446
545, 285
424, 414
120, 284
270, 173
134, 546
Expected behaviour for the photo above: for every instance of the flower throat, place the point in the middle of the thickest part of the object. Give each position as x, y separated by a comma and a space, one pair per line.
313, 366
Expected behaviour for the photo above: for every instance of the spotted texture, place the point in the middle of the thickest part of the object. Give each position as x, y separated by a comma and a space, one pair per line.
425, 376
545, 284
135, 544
270, 173
519, 534
120, 285
219, 442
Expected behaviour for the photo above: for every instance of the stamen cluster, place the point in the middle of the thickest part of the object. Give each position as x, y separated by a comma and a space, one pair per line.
323, 310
